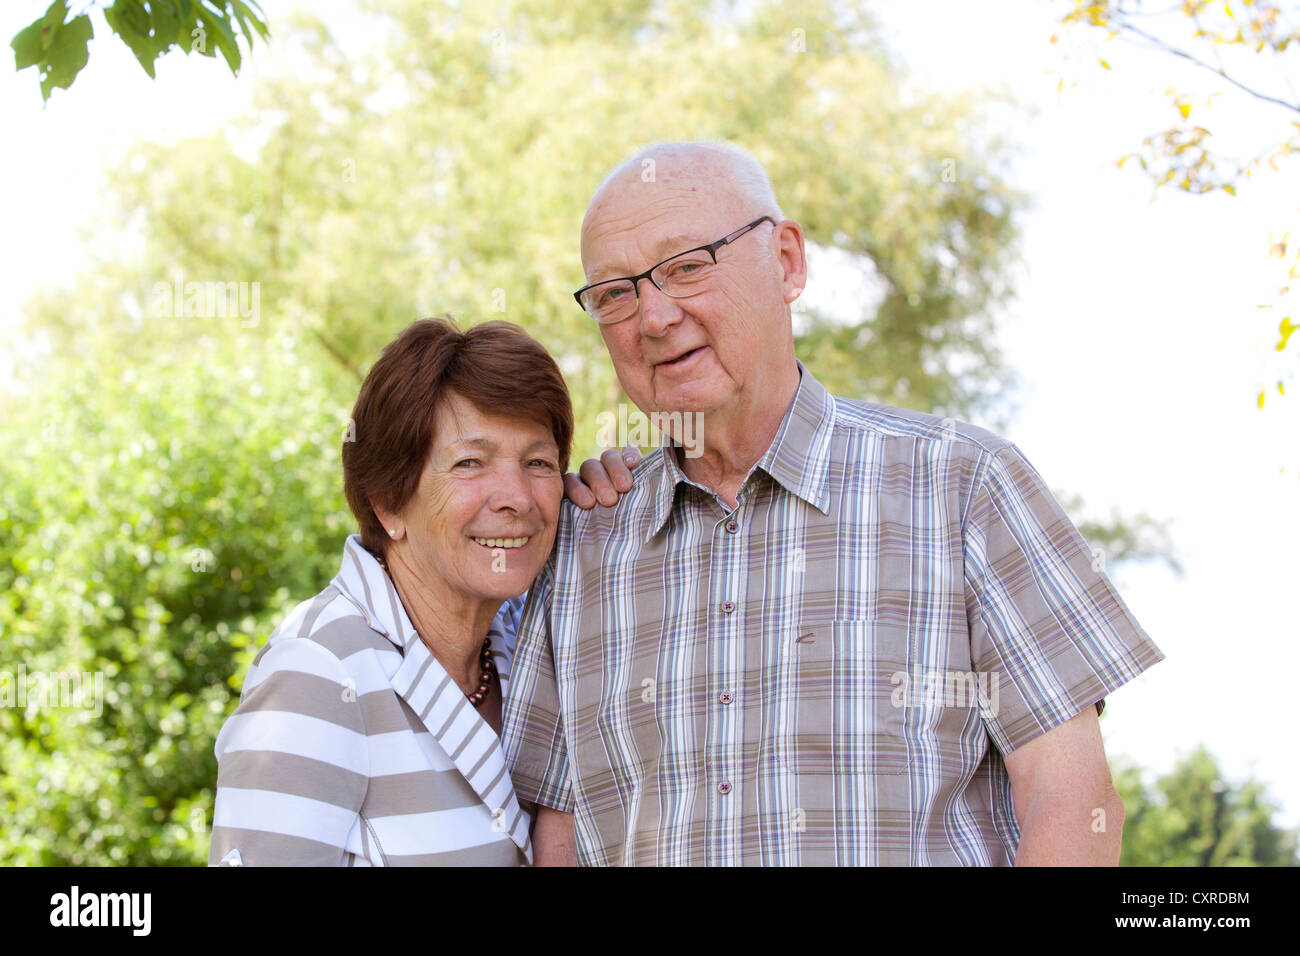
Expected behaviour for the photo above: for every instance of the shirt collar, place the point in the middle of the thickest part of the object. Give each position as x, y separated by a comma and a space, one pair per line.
798, 458
366, 584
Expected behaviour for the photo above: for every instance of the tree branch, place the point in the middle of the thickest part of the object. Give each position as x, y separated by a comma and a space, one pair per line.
1162, 45
337, 354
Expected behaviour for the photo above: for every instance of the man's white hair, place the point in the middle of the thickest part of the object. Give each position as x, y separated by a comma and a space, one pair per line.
741, 169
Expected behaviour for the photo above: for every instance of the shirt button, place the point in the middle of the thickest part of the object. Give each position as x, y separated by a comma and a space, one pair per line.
724, 788
728, 607
725, 697
732, 527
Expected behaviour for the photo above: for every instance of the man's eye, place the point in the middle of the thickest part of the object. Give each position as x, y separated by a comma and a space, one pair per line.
688, 268
543, 463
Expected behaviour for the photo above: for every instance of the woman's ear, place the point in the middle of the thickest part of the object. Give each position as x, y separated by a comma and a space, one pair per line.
392, 523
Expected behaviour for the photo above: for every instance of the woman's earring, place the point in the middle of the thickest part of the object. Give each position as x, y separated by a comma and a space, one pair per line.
392, 533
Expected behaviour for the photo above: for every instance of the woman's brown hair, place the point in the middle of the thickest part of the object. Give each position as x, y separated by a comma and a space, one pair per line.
496, 366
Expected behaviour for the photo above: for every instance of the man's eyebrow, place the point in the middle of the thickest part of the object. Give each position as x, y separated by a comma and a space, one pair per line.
676, 243
667, 246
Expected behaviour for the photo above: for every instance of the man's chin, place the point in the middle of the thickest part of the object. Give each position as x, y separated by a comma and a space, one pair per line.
691, 398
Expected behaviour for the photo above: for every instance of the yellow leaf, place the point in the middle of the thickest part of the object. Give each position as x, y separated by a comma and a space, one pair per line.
1119, 163
1228, 10
1280, 390
1261, 399
1184, 108
1105, 64
1230, 189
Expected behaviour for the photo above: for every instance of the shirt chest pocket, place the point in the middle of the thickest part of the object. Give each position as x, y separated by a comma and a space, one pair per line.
846, 718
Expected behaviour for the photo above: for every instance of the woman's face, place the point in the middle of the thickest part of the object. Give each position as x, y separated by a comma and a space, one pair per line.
483, 520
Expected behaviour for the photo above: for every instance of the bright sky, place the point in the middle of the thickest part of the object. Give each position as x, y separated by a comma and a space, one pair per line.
1135, 329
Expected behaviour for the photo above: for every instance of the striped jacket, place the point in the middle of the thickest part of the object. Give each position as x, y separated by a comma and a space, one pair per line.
352, 746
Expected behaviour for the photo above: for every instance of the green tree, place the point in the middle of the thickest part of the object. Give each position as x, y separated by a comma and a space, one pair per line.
58, 46
1193, 816
156, 521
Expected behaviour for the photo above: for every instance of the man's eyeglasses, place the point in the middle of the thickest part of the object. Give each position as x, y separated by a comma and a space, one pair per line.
682, 275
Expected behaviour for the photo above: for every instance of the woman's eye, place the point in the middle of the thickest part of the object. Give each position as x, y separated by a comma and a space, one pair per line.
466, 462
543, 463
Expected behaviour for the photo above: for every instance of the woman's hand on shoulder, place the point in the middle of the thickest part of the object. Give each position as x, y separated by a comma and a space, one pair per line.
602, 479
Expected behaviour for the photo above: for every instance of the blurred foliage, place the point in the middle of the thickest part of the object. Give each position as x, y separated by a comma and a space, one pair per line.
156, 521
435, 174
58, 47
169, 479
1193, 816
1246, 49
1122, 538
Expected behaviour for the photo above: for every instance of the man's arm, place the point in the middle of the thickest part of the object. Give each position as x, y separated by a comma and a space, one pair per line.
553, 843
1066, 803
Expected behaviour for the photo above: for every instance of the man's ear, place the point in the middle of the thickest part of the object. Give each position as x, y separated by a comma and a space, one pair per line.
794, 263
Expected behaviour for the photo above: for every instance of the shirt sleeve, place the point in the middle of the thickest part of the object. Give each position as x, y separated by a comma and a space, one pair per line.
1045, 621
292, 762
533, 728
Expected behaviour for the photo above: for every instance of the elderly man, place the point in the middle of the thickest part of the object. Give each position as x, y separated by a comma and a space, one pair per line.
831, 632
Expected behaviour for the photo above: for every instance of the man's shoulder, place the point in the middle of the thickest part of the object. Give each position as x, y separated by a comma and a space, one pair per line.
892, 423
632, 510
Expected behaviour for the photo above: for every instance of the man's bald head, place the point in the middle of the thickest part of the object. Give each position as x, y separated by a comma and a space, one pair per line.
723, 346
714, 168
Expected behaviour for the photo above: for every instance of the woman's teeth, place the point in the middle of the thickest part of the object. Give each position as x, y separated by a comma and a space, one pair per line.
501, 542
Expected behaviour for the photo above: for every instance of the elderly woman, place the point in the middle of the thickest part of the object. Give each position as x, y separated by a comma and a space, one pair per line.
367, 731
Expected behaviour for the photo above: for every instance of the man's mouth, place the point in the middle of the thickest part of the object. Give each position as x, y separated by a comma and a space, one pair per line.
681, 359
501, 542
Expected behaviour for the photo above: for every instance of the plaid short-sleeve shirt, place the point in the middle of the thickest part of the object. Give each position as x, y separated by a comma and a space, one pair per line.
831, 672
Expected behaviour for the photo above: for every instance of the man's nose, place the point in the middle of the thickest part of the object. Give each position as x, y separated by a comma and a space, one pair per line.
659, 312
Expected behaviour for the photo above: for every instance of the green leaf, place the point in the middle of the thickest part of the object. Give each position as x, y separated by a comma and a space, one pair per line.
166, 22
130, 22
27, 46
30, 43
66, 55
134, 15
247, 16
51, 21
224, 37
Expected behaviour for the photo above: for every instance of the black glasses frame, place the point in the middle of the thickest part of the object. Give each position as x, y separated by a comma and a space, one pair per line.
712, 249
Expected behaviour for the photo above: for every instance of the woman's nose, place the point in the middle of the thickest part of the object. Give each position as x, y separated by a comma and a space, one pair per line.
510, 488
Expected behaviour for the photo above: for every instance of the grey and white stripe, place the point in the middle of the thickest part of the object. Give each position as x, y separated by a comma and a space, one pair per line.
352, 746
